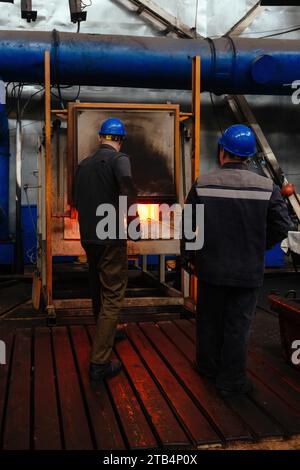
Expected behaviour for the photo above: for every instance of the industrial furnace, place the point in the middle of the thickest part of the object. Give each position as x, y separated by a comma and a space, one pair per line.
153, 147
164, 161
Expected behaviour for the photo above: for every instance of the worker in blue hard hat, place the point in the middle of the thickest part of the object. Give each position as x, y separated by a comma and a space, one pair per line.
244, 213
113, 129
99, 181
238, 141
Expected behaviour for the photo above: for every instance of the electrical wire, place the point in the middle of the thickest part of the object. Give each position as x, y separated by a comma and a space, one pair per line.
11, 97
60, 96
29, 100
282, 32
83, 6
273, 30
78, 94
64, 99
31, 253
250, 33
24, 125
26, 187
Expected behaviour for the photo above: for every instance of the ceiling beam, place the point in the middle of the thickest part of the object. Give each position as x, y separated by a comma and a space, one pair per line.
160, 18
246, 20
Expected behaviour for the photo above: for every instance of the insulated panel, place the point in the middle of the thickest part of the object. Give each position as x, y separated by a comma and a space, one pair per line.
150, 145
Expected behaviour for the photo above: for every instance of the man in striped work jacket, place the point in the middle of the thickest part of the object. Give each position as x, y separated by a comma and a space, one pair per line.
244, 214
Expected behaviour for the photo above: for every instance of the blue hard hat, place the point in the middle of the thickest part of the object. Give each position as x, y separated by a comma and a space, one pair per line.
239, 140
113, 126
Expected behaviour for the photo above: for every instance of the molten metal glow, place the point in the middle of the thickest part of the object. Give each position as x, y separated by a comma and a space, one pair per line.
148, 212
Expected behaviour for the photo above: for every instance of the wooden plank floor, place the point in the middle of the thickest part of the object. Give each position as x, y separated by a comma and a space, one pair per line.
158, 401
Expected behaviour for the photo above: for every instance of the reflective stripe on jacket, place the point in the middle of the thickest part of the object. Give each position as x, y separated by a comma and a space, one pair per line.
244, 213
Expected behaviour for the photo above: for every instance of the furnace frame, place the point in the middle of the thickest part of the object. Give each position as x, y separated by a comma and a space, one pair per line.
48, 223
75, 108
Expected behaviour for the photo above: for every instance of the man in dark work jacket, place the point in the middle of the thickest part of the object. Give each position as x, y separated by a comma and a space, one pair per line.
100, 179
244, 213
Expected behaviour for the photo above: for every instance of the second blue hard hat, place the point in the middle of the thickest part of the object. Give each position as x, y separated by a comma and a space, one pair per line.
239, 140
113, 126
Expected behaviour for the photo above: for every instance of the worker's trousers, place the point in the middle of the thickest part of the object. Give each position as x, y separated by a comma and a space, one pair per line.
224, 317
108, 280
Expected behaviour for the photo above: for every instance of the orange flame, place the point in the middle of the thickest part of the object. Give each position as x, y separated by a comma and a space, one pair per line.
148, 212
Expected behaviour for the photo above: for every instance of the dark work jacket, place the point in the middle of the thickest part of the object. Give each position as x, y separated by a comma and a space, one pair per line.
244, 213
101, 179
2, 215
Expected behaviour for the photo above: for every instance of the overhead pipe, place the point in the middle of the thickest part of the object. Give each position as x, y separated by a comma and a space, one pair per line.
238, 66
4, 164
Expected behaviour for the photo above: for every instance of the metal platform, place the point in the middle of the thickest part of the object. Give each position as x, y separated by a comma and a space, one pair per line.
147, 299
158, 401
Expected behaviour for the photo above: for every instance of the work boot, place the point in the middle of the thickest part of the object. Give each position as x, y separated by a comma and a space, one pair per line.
243, 389
120, 333
98, 372
210, 375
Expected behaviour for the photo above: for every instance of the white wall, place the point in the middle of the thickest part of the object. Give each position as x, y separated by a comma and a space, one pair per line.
214, 17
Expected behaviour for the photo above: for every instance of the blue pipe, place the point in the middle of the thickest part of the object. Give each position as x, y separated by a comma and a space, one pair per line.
4, 166
239, 65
